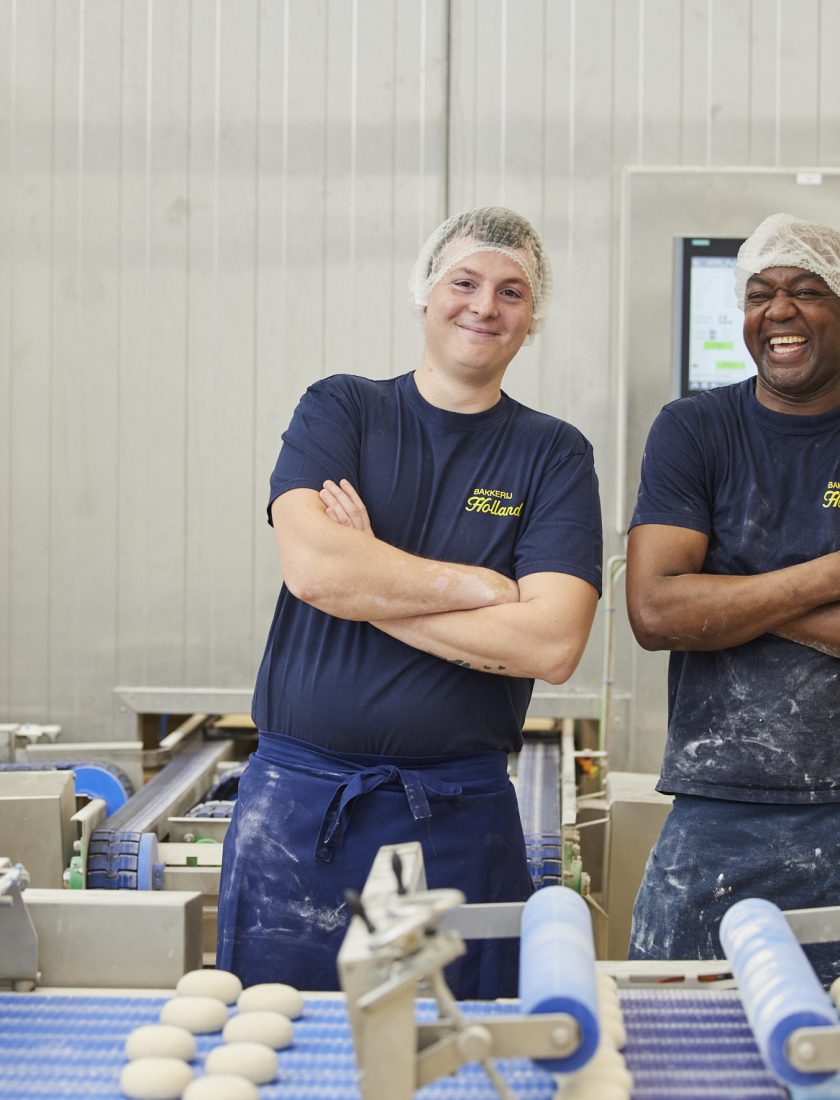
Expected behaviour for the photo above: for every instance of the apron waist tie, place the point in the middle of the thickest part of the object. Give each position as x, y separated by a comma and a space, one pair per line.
418, 791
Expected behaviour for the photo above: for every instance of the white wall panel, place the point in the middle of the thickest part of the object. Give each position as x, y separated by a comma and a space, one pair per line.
695, 76
765, 104
220, 529
828, 89
82, 425
154, 341
728, 86
28, 247
798, 92
660, 58
207, 204
8, 249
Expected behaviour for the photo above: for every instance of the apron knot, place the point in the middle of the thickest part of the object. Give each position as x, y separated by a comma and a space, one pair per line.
419, 791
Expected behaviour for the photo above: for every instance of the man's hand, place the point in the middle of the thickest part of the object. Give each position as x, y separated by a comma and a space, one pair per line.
345, 506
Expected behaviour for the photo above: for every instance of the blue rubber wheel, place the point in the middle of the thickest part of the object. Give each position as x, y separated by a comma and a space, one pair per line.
123, 861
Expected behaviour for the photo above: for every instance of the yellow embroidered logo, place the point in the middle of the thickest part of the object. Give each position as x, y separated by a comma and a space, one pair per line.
489, 501
831, 497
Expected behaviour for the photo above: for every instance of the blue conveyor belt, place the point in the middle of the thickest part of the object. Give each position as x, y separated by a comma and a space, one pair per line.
682, 1045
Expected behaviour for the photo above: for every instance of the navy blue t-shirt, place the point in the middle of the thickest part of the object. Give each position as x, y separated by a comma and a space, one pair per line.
759, 722
508, 488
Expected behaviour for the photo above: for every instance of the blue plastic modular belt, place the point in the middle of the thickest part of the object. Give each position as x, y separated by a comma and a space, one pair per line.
681, 1045
212, 808
538, 794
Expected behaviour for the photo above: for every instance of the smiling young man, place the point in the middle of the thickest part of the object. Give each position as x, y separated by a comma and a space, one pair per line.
440, 547
734, 566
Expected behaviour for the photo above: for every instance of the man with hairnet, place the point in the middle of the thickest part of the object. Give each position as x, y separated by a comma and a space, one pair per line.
440, 545
734, 565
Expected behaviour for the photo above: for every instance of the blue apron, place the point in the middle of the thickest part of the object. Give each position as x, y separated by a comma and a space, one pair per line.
711, 853
307, 825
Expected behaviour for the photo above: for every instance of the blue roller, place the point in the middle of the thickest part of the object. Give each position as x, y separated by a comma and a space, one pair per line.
99, 781
557, 967
778, 986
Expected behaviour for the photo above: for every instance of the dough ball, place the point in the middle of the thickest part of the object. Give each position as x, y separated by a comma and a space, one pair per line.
252, 1060
605, 981
614, 1032
155, 1078
221, 1086
272, 997
197, 1014
220, 984
604, 1077
835, 991
160, 1041
269, 1028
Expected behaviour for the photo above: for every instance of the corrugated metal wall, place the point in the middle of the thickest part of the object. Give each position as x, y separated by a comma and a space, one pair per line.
208, 203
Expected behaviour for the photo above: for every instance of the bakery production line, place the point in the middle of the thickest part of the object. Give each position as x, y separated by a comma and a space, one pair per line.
130, 907
580, 1029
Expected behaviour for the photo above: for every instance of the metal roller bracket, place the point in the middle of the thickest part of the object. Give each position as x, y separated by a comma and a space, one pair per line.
814, 1049
18, 939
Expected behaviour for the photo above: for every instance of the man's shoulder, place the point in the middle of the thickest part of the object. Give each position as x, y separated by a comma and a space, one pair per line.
544, 425
355, 393
709, 414
712, 402
354, 383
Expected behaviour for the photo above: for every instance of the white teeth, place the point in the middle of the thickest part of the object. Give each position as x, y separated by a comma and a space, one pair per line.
774, 340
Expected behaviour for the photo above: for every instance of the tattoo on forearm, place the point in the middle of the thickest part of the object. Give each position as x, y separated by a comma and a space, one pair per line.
466, 664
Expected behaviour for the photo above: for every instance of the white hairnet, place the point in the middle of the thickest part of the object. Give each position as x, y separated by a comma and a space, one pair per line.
486, 229
785, 241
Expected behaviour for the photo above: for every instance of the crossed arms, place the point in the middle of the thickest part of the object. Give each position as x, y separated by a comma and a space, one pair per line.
672, 605
331, 559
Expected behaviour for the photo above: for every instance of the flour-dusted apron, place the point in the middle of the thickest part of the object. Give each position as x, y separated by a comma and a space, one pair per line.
711, 853
307, 825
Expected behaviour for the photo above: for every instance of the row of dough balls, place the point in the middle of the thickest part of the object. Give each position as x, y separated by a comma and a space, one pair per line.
159, 1054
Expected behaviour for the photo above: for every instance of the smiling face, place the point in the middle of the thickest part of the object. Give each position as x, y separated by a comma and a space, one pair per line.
792, 331
478, 315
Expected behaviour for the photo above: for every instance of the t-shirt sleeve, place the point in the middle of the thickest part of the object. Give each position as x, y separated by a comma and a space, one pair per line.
673, 488
321, 441
563, 532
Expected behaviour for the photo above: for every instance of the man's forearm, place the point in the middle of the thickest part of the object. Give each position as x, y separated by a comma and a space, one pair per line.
819, 629
704, 611
523, 639
349, 573
378, 581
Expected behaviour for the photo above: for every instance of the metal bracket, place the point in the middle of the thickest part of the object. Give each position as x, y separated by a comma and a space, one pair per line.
87, 819
814, 1049
397, 945
18, 939
815, 925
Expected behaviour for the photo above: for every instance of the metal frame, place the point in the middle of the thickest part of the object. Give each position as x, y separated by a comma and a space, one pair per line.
132, 702
398, 942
